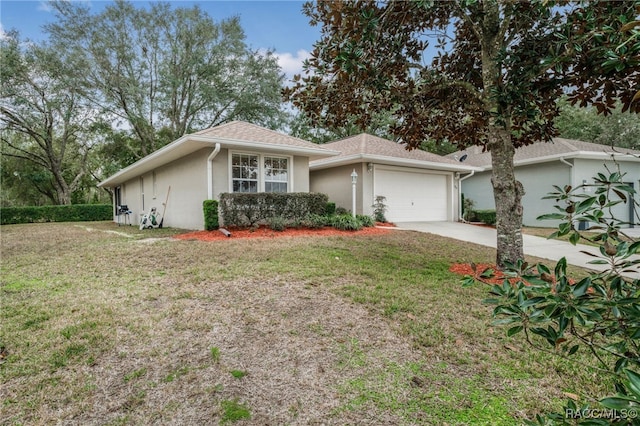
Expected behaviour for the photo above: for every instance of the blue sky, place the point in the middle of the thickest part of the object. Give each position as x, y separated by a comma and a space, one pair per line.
268, 24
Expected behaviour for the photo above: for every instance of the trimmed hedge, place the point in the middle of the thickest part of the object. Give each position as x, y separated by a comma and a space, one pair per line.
252, 209
210, 210
67, 213
485, 216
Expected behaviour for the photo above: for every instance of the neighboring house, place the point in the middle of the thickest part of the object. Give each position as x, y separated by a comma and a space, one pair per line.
233, 157
541, 165
418, 185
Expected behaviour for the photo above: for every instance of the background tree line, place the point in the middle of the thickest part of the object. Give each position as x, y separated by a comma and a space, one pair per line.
107, 89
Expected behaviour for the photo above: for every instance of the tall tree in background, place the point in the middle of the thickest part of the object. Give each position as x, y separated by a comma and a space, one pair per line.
498, 69
44, 120
163, 72
618, 129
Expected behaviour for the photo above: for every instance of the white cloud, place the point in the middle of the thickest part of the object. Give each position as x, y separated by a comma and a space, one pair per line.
44, 6
291, 64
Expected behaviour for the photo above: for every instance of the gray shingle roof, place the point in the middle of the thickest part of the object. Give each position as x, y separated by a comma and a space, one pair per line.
539, 151
372, 145
243, 131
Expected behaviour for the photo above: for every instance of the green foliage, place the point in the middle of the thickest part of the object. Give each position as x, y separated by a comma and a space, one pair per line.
215, 354
379, 208
251, 209
330, 209
316, 221
467, 208
233, 411
238, 374
346, 222
277, 223
599, 313
485, 216
164, 61
210, 210
341, 211
68, 213
366, 221
616, 129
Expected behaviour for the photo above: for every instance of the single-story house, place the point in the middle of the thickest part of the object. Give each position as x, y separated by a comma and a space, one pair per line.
233, 157
418, 185
242, 157
541, 165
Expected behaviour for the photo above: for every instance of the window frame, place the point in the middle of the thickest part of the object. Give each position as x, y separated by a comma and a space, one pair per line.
262, 179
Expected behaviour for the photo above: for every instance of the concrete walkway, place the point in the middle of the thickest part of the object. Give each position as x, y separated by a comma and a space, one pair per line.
533, 246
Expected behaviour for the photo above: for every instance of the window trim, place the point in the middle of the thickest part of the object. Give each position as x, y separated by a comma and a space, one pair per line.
261, 175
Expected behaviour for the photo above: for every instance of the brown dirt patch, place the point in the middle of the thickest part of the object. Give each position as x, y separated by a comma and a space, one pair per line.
265, 232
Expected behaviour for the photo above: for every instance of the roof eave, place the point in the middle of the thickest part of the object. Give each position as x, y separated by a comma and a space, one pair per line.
393, 161
154, 160
585, 155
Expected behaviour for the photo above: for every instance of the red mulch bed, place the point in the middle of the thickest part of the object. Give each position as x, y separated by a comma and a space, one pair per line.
498, 276
265, 232
466, 269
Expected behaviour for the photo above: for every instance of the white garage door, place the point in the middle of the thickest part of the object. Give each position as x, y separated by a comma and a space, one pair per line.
412, 196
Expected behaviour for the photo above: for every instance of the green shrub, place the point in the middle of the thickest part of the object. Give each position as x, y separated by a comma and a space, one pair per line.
67, 213
346, 222
330, 209
341, 211
251, 209
210, 209
277, 223
316, 221
485, 216
379, 208
366, 221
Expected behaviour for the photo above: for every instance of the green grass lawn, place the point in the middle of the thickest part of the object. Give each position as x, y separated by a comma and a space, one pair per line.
110, 325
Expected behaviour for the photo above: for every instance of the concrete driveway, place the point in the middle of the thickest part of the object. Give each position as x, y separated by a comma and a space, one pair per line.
533, 246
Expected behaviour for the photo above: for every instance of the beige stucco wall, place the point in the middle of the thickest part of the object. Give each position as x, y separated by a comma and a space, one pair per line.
336, 183
187, 177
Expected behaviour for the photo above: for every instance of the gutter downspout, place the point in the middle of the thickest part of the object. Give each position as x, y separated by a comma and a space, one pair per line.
210, 158
571, 176
460, 193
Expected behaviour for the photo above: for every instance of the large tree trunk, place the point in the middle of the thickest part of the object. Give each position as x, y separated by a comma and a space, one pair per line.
507, 191
507, 194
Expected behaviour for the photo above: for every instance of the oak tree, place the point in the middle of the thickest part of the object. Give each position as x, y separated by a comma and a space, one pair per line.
44, 120
161, 72
468, 72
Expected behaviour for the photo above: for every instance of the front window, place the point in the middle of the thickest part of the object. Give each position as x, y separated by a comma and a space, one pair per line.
276, 174
244, 169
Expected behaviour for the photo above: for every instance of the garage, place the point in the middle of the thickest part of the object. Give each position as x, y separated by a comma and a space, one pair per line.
413, 195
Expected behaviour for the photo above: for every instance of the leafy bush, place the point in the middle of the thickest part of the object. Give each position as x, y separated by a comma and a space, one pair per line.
600, 314
340, 211
485, 216
467, 209
315, 221
366, 221
277, 223
210, 209
330, 209
379, 208
346, 222
67, 213
251, 209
